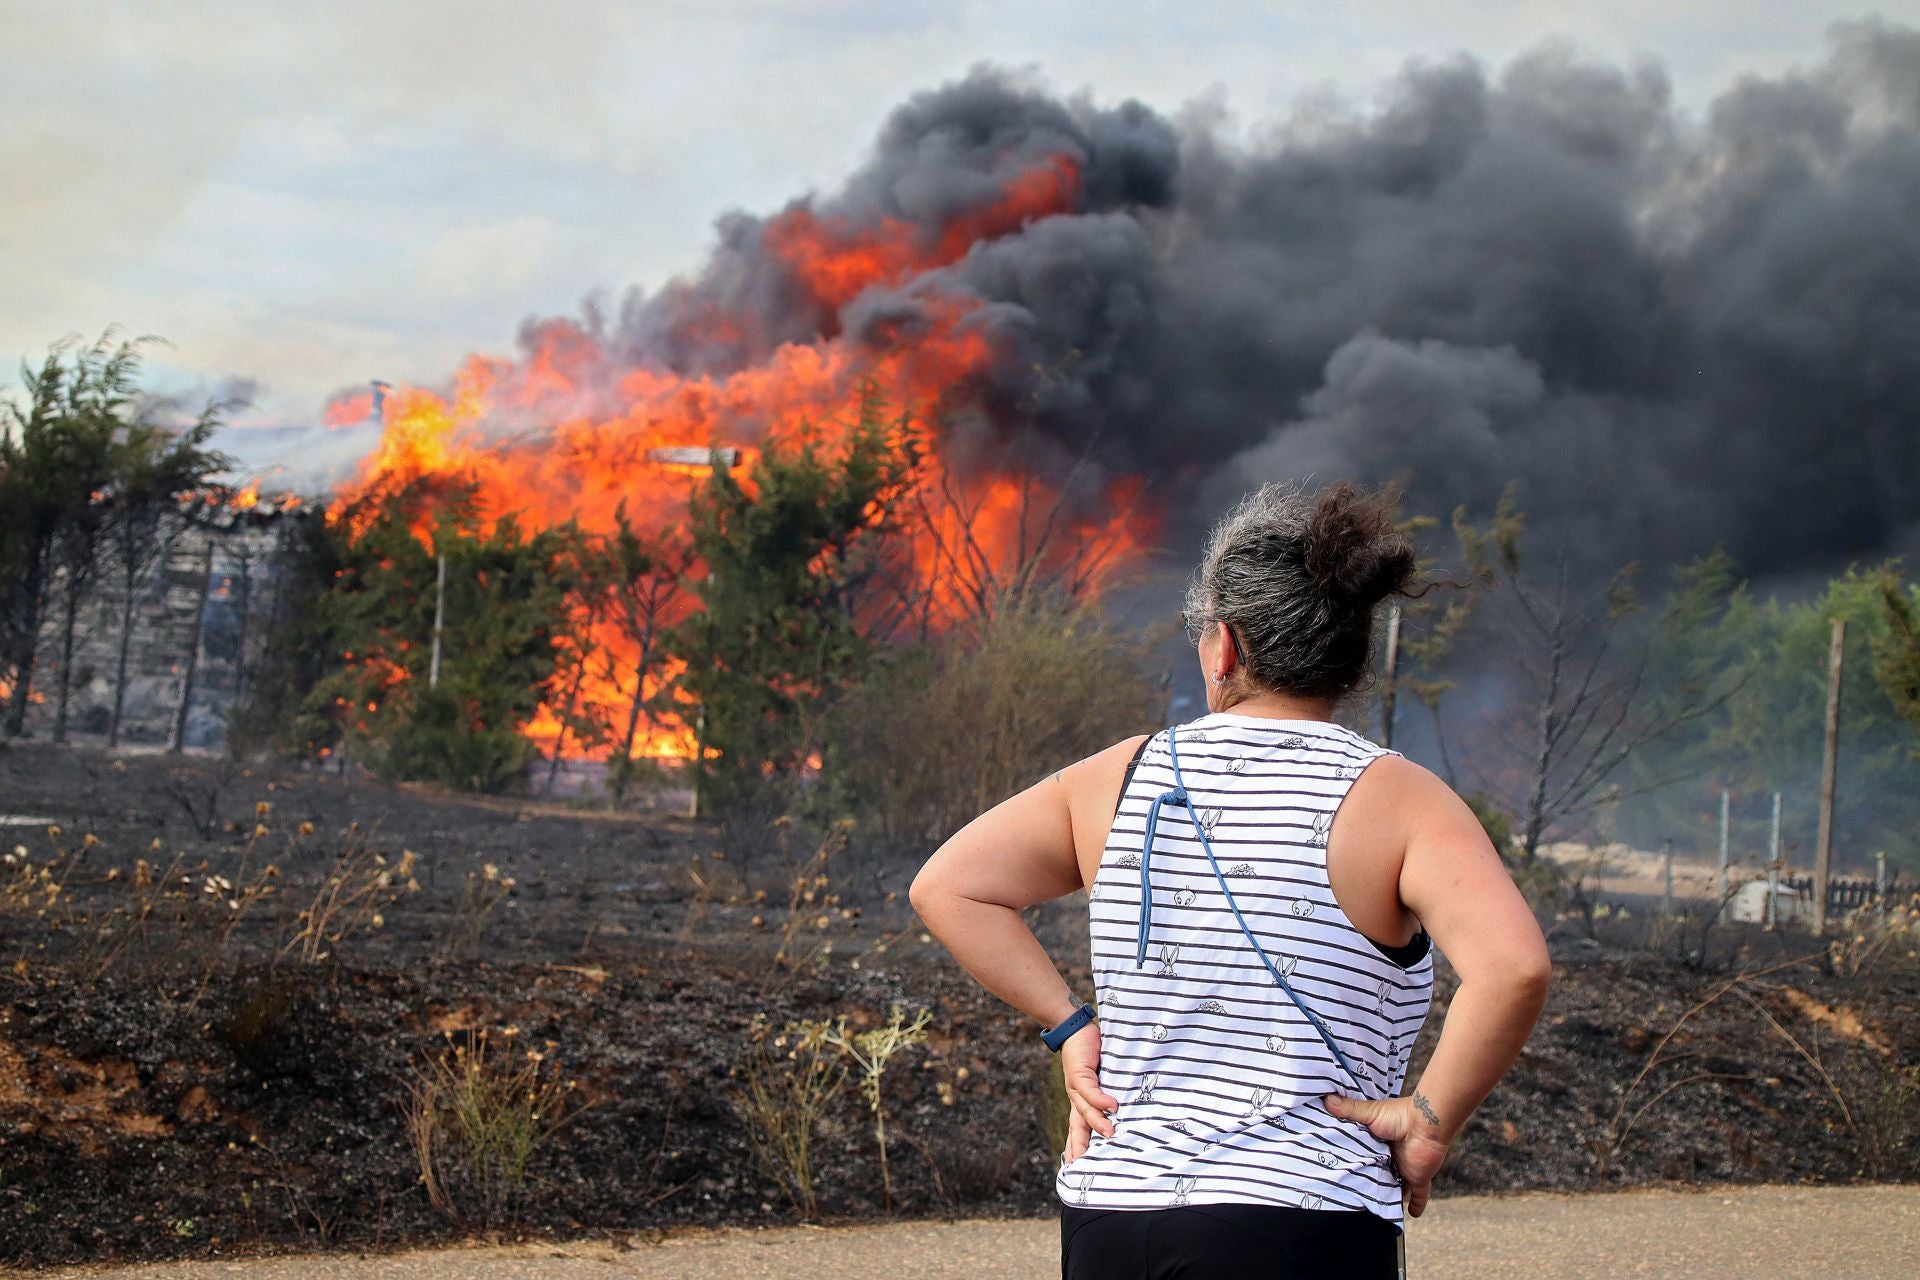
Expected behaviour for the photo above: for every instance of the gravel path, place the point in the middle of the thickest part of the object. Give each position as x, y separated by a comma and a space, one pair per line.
1755, 1233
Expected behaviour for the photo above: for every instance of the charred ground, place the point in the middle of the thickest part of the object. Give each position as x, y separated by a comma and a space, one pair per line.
187, 1088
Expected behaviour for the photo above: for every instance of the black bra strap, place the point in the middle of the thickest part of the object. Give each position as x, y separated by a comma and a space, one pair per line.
1127, 778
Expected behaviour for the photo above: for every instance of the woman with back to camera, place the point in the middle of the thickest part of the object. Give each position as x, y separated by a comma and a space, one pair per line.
1265, 888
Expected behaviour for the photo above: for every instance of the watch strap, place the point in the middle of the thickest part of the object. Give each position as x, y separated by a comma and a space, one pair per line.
1057, 1036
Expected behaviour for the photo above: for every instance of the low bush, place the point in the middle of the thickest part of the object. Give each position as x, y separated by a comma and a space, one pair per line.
1875, 931
943, 732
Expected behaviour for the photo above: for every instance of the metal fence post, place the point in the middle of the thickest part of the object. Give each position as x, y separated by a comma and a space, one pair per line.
1772, 914
1725, 813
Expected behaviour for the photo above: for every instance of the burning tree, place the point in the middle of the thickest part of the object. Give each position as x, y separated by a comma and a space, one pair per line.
570, 430
787, 555
84, 471
630, 588
459, 722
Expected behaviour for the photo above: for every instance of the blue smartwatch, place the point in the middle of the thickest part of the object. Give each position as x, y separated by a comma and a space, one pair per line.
1058, 1035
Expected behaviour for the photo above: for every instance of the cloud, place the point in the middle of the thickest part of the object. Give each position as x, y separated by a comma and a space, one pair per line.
475, 262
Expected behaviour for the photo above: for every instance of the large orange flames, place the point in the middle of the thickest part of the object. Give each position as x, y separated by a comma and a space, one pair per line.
581, 460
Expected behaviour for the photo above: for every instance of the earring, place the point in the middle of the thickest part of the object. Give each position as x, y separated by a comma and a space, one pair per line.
1219, 679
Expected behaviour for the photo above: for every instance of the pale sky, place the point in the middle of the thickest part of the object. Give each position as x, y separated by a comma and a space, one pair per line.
311, 196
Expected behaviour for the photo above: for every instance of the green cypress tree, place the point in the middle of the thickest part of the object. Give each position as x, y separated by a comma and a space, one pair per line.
777, 638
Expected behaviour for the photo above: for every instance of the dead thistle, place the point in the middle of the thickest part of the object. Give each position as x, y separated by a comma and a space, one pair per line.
784, 1084
871, 1051
361, 885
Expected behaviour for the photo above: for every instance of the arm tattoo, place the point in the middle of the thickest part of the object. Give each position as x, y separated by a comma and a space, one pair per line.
1425, 1108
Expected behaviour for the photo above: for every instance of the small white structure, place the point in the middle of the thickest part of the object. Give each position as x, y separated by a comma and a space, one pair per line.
1748, 905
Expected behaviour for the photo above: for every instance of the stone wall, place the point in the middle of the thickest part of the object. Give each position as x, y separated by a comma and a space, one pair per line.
233, 560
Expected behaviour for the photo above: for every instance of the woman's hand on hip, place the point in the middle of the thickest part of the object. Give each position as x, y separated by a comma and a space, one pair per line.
1092, 1109
1418, 1151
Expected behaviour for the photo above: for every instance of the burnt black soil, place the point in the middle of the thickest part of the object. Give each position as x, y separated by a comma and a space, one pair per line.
164, 1093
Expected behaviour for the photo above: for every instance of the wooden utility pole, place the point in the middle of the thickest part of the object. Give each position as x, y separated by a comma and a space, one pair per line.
1823, 850
1393, 669
1666, 902
178, 740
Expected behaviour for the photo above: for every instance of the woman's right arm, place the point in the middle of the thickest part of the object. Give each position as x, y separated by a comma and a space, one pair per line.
1455, 883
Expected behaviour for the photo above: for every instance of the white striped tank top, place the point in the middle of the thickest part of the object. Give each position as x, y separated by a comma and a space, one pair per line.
1218, 1074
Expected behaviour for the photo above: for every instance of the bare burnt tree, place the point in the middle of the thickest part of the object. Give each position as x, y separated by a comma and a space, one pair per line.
76, 559
183, 707
1430, 626
646, 579
987, 539
991, 541
1597, 693
243, 622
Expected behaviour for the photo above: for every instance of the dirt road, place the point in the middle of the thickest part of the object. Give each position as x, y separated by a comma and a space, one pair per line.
1760, 1233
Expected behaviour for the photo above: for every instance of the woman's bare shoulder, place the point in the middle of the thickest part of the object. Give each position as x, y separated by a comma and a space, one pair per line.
1101, 772
1407, 779
1411, 792
1120, 754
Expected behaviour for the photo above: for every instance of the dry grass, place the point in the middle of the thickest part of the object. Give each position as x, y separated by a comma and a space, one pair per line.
1871, 933
482, 893
784, 1085
158, 911
478, 1111
812, 907
352, 896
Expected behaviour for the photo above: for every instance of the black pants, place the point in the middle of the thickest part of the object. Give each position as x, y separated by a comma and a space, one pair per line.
1227, 1242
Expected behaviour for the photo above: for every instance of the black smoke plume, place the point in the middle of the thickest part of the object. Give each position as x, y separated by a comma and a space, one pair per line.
1670, 331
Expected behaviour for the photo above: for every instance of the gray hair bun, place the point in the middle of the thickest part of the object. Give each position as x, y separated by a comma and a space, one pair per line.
1353, 550
1298, 579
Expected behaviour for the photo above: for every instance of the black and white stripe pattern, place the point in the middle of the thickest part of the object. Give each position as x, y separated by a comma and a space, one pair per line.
1218, 1075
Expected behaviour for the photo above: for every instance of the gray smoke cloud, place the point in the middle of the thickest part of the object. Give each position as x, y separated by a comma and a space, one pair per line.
1668, 330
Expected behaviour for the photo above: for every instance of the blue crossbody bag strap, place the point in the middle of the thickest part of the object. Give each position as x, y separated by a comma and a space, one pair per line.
1180, 798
